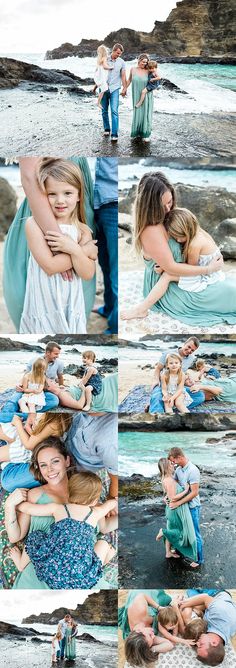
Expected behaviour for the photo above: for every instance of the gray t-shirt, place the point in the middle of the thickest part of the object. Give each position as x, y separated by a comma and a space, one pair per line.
114, 76
189, 474
53, 368
221, 616
92, 440
186, 361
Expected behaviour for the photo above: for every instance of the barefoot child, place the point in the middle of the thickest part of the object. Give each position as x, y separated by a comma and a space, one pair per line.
33, 384
170, 625
56, 646
91, 383
153, 81
69, 557
101, 72
198, 249
172, 384
52, 304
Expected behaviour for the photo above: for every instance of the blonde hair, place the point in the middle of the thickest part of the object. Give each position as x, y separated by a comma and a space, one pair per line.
90, 354
58, 635
167, 616
151, 64
60, 422
195, 628
84, 488
164, 467
167, 371
199, 364
148, 207
181, 223
37, 373
64, 170
142, 56
102, 52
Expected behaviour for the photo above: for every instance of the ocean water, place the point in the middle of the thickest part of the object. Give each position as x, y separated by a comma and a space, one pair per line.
129, 173
139, 451
103, 633
154, 348
209, 88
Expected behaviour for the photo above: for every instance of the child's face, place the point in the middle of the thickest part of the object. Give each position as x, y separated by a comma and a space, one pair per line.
62, 197
173, 364
152, 69
170, 627
87, 361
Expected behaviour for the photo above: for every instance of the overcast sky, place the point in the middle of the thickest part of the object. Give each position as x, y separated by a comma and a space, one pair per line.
32, 26
16, 606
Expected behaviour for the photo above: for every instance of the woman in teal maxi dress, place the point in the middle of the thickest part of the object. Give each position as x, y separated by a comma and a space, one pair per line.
70, 650
142, 117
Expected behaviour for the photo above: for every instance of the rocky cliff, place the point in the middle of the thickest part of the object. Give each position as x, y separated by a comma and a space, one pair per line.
194, 30
100, 608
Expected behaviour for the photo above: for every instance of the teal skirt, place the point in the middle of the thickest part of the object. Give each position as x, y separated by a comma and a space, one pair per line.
142, 117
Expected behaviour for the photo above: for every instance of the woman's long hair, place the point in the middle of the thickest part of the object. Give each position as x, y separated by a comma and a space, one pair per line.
137, 651
167, 371
182, 224
51, 442
142, 56
64, 170
148, 207
60, 423
37, 373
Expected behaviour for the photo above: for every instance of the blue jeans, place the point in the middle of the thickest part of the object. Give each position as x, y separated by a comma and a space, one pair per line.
157, 404
62, 646
106, 219
113, 99
195, 512
11, 406
17, 475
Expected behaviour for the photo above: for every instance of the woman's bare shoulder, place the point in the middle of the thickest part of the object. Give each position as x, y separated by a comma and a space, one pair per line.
34, 494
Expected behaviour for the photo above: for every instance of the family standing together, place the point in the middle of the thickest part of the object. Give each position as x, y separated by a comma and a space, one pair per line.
63, 642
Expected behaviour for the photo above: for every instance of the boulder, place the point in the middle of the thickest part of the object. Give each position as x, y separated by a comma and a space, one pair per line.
14, 72
99, 608
8, 206
226, 238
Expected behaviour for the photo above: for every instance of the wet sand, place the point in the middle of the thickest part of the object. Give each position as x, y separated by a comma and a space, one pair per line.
38, 121
21, 654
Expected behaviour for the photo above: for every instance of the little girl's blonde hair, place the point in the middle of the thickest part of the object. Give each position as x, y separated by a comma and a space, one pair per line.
181, 223
102, 52
90, 354
84, 488
167, 371
37, 373
64, 170
60, 422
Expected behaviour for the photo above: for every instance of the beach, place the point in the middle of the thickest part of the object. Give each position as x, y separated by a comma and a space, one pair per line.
37, 654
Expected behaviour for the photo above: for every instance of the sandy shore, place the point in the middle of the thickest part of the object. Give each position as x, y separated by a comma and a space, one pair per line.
131, 374
122, 595
38, 121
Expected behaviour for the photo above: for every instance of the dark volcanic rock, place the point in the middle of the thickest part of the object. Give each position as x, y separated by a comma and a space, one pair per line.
8, 344
12, 629
99, 608
14, 72
82, 339
199, 31
7, 206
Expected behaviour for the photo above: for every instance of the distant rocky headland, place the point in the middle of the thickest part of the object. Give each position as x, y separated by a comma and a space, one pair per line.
200, 31
99, 608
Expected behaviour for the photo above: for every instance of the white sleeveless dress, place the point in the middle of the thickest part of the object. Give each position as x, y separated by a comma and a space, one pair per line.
199, 283
100, 78
172, 386
52, 305
37, 399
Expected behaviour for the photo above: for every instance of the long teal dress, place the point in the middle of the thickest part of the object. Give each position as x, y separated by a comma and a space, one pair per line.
214, 305
228, 386
70, 651
158, 595
180, 530
106, 400
142, 117
28, 578
16, 253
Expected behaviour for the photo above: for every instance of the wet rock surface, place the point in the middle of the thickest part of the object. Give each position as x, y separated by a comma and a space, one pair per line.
15, 72
7, 206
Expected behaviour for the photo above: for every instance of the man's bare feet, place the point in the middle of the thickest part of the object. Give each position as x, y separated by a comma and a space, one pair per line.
15, 555
159, 535
138, 311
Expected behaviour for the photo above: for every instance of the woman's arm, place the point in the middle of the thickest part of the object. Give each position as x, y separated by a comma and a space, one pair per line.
199, 599
51, 264
155, 246
213, 389
129, 80
17, 526
37, 199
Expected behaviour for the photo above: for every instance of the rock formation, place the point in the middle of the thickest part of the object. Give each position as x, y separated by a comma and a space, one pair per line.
99, 608
196, 30
14, 72
7, 206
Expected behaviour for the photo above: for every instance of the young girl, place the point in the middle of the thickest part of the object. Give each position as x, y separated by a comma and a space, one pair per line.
153, 81
91, 382
68, 556
33, 383
198, 249
53, 305
56, 646
172, 383
101, 72
171, 623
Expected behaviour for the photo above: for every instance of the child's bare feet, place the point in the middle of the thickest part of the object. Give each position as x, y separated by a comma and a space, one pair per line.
138, 104
86, 408
159, 535
194, 564
15, 555
138, 311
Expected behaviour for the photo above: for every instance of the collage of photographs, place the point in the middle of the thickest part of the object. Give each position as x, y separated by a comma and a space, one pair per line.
117, 334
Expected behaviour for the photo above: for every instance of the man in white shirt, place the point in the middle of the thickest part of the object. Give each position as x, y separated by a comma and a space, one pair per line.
116, 77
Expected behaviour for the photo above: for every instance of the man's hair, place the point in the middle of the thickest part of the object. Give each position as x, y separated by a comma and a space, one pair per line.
51, 345
118, 46
215, 655
167, 616
176, 452
137, 651
195, 341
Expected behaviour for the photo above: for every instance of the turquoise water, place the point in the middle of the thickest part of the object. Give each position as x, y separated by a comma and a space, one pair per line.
139, 451
103, 633
214, 178
154, 348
